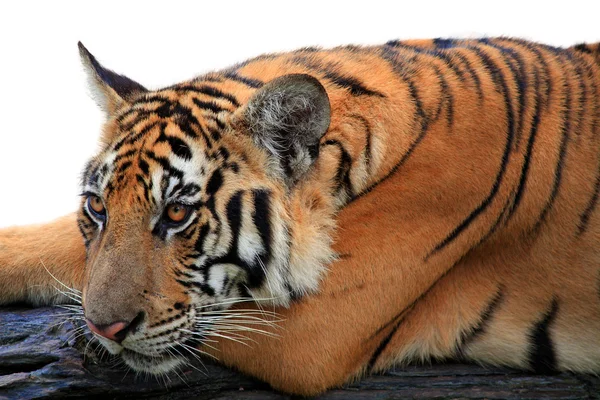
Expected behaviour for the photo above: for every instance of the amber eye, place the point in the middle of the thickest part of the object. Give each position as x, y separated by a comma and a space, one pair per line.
176, 213
96, 206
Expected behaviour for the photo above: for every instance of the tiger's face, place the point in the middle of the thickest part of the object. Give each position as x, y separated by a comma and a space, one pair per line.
185, 210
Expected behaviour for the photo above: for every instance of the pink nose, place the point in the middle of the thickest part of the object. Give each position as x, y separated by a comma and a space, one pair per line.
115, 331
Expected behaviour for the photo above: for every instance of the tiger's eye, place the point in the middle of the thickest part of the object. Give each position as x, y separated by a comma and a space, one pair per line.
96, 204
177, 213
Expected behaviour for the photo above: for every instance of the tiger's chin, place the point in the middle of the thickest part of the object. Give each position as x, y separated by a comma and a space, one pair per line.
155, 365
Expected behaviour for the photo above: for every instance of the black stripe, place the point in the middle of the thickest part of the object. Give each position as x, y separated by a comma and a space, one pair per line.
519, 77
584, 218
165, 164
173, 109
131, 138
145, 187
447, 98
82, 228
178, 146
591, 78
331, 72
128, 153
126, 114
256, 275
527, 159
542, 355
109, 189
443, 53
214, 183
184, 283
582, 98
144, 167
501, 83
153, 98
122, 167
208, 91
395, 322
532, 47
216, 120
355, 87
342, 177
472, 72
189, 232
189, 189
182, 116
234, 76
483, 322
445, 43
214, 134
262, 220
390, 56
201, 238
187, 128
209, 105
234, 219
583, 47
566, 127
368, 140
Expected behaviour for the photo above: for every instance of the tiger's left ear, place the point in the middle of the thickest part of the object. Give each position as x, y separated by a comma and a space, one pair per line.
110, 90
288, 117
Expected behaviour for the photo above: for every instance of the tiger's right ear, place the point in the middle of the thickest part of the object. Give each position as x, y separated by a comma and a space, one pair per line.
109, 89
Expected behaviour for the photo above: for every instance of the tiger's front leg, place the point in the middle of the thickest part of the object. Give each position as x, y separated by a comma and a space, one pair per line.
38, 262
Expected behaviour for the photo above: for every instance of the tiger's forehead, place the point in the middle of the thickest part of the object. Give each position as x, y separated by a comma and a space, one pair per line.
154, 169
164, 142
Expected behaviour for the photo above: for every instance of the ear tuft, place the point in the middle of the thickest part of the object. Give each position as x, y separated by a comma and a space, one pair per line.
110, 89
288, 117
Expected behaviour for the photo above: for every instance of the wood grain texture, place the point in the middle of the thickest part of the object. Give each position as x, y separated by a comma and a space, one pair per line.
42, 358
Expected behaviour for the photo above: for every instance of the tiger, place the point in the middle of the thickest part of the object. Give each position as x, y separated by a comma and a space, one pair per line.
371, 206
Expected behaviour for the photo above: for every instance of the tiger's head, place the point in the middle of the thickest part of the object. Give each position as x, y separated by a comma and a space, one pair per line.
196, 201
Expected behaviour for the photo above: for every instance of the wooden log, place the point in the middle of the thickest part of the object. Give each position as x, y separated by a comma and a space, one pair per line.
41, 356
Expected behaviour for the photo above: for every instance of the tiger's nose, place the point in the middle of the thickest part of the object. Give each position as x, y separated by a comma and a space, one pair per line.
116, 331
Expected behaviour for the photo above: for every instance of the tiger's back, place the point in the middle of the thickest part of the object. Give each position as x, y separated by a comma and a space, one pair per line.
485, 157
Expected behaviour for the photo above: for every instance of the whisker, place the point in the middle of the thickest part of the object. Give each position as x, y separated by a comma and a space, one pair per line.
189, 364
245, 311
71, 296
70, 289
75, 335
230, 338
65, 320
251, 320
71, 307
173, 370
233, 334
192, 348
126, 372
204, 341
241, 328
233, 300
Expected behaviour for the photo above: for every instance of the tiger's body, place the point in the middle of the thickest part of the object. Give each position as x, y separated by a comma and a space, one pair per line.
472, 173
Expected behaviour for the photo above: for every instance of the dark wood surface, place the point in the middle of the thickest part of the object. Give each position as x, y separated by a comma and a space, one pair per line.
42, 358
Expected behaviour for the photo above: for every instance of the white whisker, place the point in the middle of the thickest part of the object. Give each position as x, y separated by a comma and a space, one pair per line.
71, 290
241, 328
240, 341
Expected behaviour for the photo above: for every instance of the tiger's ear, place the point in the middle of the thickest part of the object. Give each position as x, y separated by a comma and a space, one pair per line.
109, 89
288, 117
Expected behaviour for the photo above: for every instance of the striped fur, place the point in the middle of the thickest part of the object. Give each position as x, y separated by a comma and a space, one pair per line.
467, 171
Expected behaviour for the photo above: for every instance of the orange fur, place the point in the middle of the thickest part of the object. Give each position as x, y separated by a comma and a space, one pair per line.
463, 239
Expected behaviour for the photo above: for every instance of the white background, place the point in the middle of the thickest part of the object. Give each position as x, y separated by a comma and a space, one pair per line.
49, 124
